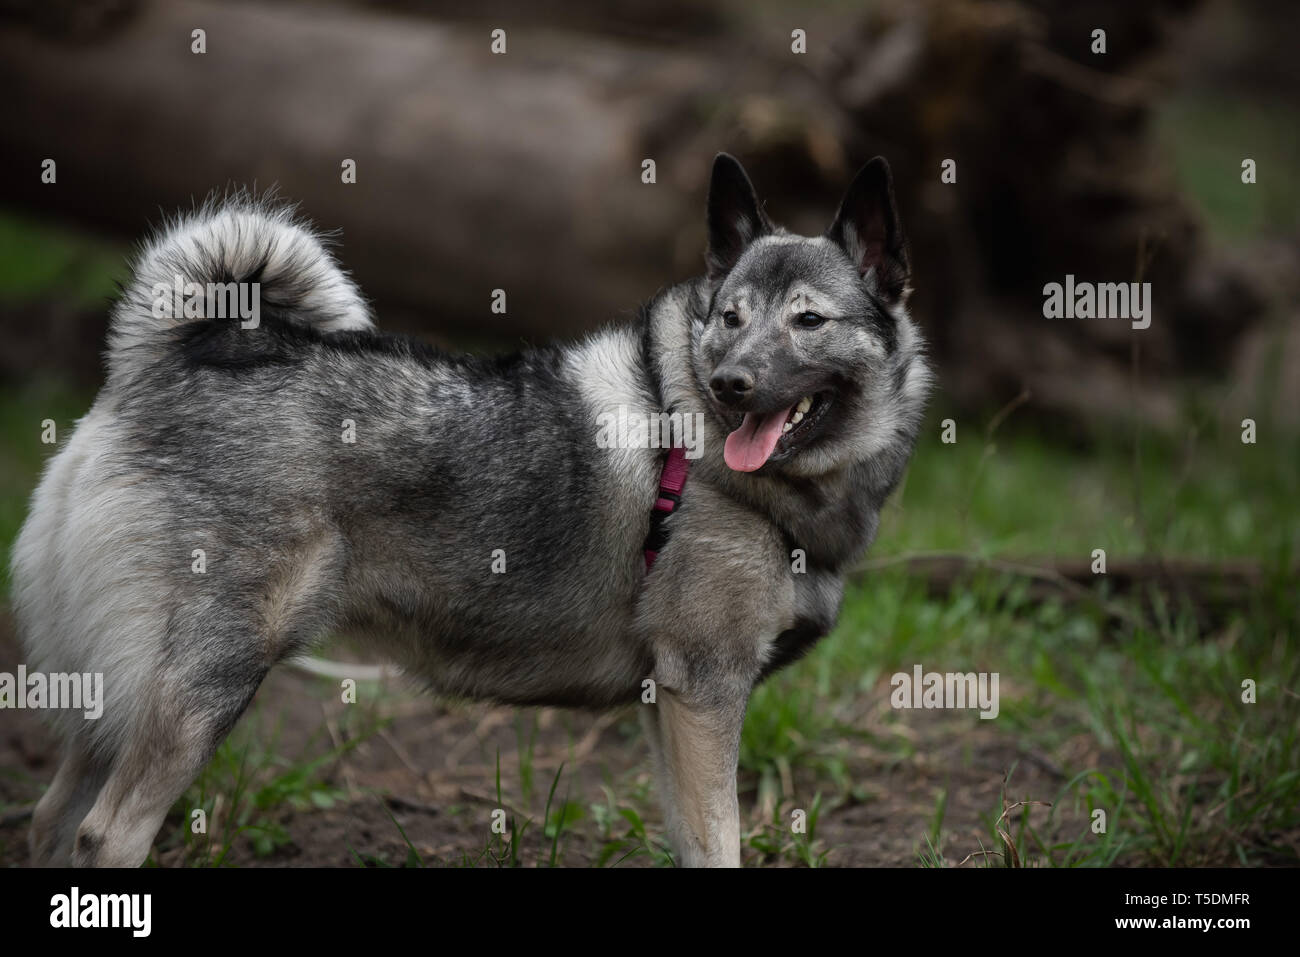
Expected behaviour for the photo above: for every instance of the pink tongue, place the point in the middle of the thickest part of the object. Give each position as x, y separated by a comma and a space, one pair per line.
750, 445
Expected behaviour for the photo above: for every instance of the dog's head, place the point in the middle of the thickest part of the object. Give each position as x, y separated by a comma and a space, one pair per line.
807, 353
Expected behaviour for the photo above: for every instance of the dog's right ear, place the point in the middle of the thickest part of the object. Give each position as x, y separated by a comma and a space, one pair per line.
867, 228
735, 219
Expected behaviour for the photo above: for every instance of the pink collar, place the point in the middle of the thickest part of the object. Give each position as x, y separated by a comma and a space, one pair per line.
671, 481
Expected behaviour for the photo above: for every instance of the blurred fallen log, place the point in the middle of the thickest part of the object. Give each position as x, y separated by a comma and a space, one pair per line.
1058, 173
475, 171
1214, 584
523, 171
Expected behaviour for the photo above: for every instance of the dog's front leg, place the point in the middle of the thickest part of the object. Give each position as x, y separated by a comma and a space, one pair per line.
707, 615
696, 748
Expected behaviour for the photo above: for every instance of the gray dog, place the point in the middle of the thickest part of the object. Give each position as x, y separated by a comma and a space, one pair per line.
242, 489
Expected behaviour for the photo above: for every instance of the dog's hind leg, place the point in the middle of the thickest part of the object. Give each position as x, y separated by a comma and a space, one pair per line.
168, 744
218, 651
65, 803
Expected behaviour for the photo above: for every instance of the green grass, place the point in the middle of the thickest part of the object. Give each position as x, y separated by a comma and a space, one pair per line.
40, 261
779, 839
1186, 772
22, 413
1208, 136
1200, 494
622, 830
258, 784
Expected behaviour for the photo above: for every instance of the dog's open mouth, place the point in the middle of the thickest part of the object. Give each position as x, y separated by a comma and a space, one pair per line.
763, 433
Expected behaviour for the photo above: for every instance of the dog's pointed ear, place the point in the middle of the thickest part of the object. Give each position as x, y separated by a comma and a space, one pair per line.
867, 228
735, 219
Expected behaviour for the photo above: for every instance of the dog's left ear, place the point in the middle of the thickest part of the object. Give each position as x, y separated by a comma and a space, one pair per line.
867, 228
735, 219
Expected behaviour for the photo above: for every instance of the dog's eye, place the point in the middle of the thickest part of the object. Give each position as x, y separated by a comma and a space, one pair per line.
730, 319
810, 320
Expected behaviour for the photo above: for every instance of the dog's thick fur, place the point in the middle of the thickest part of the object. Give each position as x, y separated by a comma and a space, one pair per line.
210, 436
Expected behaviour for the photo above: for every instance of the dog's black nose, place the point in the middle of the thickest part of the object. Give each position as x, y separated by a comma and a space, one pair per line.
732, 385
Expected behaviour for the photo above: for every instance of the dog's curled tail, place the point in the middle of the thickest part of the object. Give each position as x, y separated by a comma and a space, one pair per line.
202, 266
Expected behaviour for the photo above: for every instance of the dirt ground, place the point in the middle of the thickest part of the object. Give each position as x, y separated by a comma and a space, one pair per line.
435, 765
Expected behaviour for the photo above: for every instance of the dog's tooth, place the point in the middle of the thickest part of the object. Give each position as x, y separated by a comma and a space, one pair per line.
804, 404
787, 427
798, 417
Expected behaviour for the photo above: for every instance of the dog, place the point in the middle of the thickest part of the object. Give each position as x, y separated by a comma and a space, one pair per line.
240, 490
